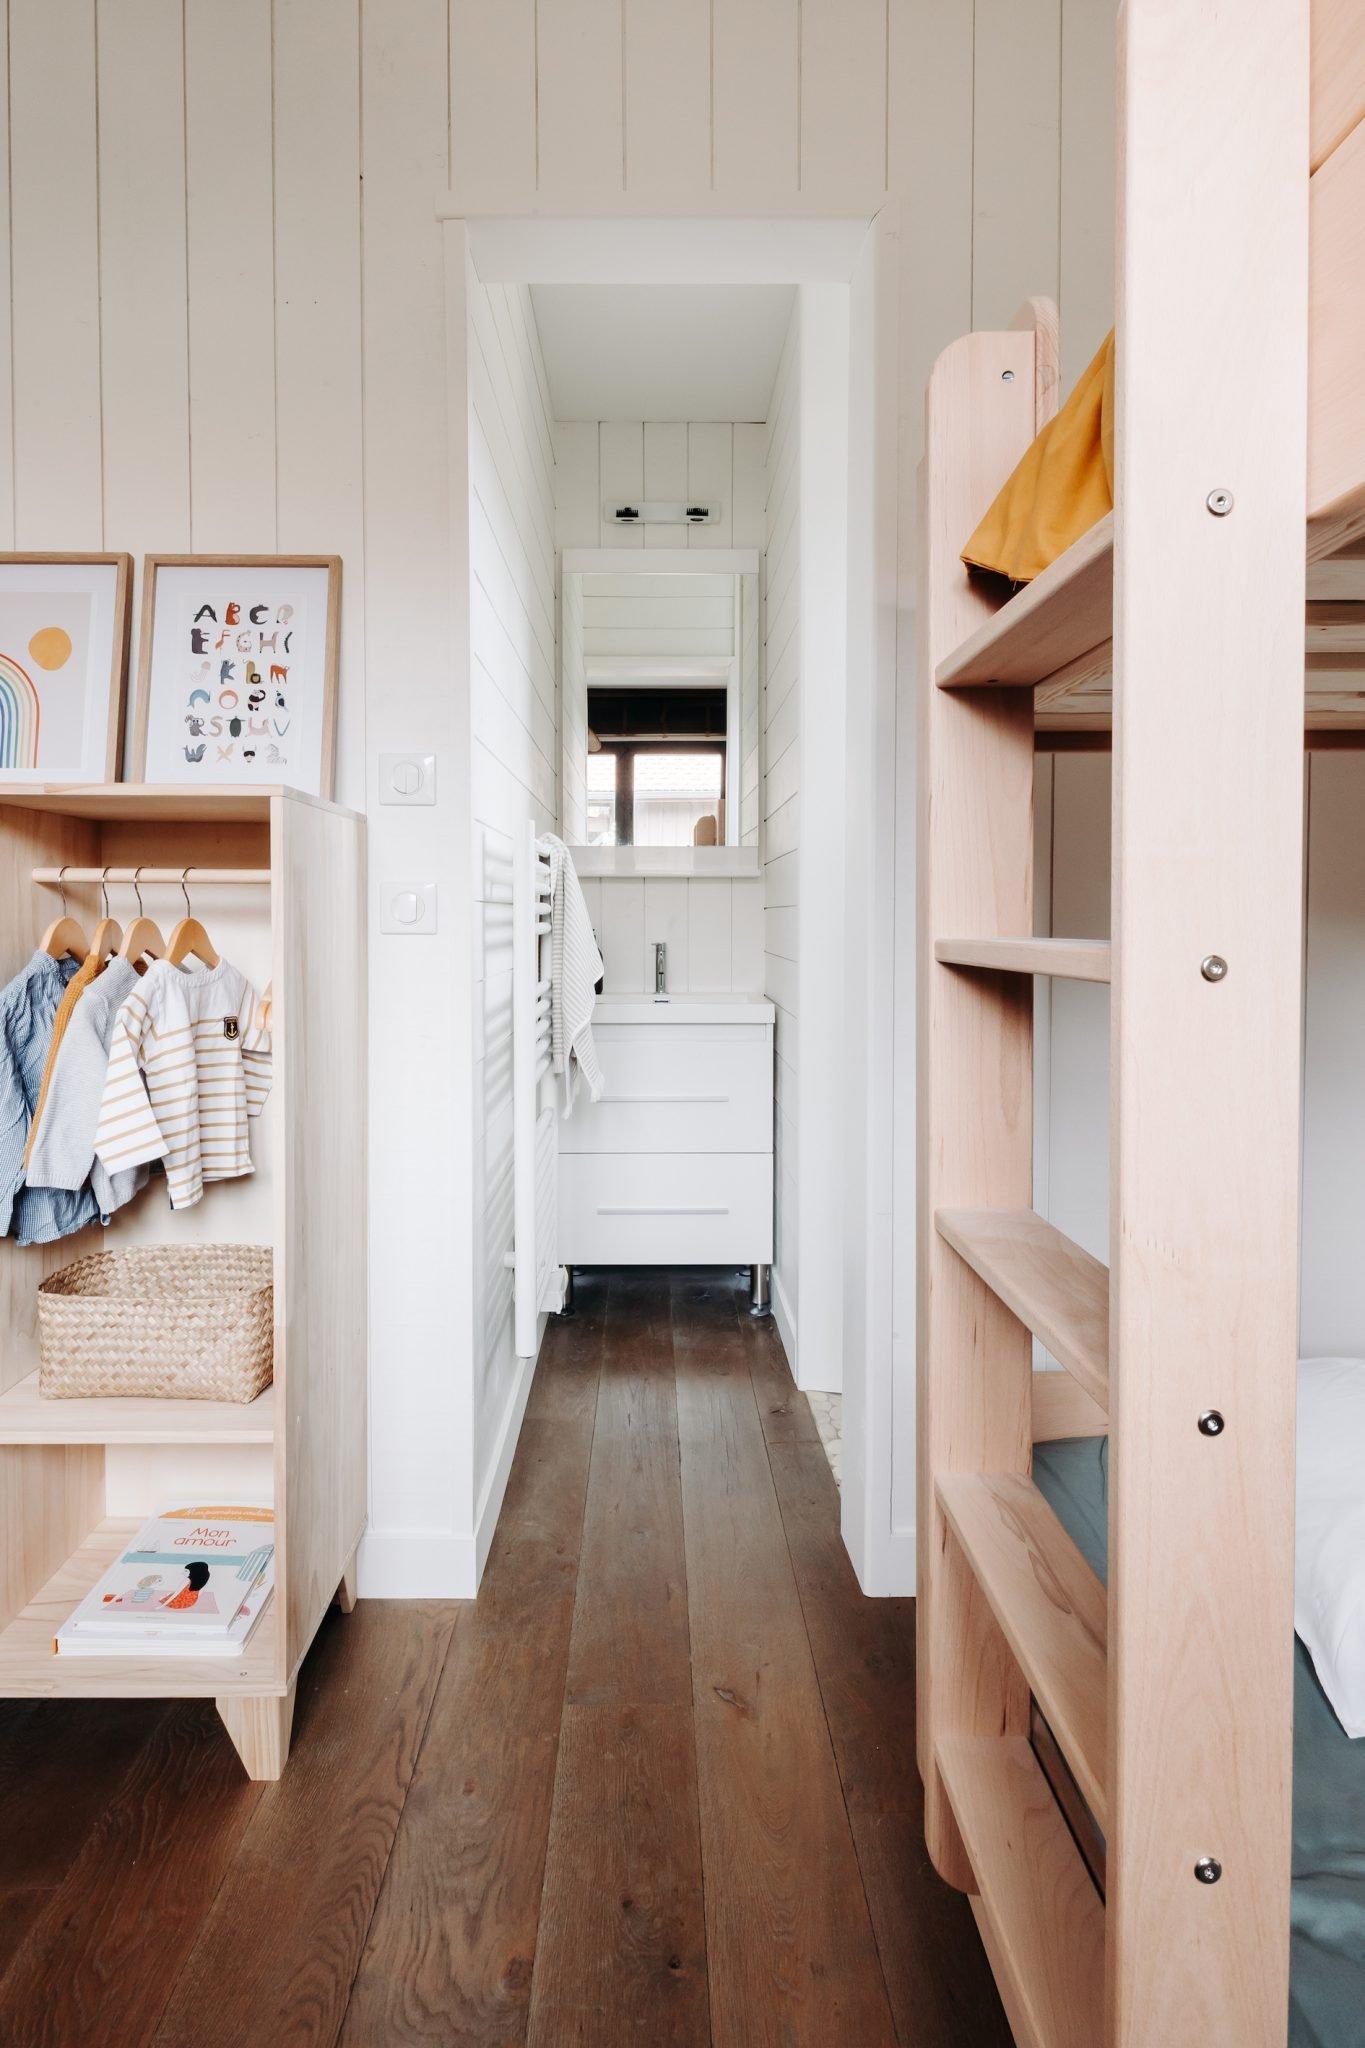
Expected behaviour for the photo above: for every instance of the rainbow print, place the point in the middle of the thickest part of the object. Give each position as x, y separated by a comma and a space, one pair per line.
20, 716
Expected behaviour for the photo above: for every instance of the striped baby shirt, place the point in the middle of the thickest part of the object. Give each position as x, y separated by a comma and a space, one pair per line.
189, 1062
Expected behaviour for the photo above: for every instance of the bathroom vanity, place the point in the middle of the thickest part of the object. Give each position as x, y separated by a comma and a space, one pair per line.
673, 1166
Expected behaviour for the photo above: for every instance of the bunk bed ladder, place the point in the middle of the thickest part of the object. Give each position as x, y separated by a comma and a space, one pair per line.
1169, 1697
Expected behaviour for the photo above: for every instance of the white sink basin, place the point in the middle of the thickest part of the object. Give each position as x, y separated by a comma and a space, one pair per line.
683, 1009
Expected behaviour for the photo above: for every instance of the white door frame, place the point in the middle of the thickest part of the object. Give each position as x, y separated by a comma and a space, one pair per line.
857, 248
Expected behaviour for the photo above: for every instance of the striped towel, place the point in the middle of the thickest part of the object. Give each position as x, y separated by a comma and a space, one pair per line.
575, 969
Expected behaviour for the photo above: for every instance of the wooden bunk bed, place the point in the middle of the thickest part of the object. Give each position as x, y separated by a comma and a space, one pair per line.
1186, 625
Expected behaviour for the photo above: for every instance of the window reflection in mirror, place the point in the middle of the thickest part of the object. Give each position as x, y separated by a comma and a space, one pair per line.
660, 706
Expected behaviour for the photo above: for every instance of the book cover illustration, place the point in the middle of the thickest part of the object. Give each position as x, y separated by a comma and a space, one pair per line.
192, 1573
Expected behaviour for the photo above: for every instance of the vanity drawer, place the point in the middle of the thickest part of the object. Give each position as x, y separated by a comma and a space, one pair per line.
674, 1209
675, 1089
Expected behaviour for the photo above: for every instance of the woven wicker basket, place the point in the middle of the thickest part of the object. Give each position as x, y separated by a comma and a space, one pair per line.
183, 1322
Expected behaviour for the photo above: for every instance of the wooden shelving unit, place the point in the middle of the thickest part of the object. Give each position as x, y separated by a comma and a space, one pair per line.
57, 1457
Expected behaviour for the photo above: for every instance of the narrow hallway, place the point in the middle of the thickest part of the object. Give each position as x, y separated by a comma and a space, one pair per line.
657, 1785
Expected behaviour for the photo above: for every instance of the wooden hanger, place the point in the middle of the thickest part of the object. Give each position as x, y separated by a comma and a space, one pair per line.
64, 935
189, 935
108, 934
142, 936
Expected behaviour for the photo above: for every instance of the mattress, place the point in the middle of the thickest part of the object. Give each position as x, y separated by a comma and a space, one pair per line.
1327, 1953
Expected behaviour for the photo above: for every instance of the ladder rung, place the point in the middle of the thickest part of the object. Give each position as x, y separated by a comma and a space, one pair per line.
1041, 1920
1059, 1291
1072, 959
1061, 615
1051, 1609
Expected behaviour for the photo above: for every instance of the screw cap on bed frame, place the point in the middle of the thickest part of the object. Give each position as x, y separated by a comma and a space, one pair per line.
1211, 1423
1208, 1870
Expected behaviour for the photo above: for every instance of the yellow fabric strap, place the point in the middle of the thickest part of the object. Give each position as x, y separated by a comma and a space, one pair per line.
1064, 483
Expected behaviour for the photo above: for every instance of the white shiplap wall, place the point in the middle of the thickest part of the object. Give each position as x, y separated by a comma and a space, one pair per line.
712, 927
513, 695
220, 339
781, 800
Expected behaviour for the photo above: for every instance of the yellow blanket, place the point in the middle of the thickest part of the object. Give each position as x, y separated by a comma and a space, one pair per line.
1064, 483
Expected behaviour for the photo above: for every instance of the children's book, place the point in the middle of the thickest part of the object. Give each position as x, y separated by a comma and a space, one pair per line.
193, 1581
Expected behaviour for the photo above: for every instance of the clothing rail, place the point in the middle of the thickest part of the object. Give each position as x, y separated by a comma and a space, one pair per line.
537, 1279
149, 877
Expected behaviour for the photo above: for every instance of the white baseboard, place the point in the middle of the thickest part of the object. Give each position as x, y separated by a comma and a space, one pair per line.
783, 1317
443, 1564
495, 1486
884, 1561
416, 1564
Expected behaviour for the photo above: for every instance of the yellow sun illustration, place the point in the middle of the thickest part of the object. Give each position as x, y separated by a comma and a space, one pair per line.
50, 646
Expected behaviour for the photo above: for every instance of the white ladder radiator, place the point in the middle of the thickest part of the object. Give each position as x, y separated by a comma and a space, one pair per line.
537, 1277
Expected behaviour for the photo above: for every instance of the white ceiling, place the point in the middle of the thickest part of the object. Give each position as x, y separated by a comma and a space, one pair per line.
662, 351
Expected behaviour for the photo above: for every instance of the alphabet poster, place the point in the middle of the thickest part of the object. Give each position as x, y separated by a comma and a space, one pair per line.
240, 683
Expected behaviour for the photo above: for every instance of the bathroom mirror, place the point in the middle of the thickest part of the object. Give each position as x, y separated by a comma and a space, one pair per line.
660, 700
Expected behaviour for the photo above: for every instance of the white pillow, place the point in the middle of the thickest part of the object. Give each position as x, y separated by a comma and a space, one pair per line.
1329, 1557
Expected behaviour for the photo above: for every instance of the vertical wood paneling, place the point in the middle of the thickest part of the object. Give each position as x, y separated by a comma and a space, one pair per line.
230, 254
319, 480
1086, 179
493, 95
144, 300
6, 321
843, 94
665, 459
54, 198
408, 698
1016, 151
668, 95
755, 69
579, 97
621, 475
710, 475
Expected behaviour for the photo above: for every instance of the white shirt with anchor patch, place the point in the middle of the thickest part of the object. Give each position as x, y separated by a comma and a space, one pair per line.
189, 1063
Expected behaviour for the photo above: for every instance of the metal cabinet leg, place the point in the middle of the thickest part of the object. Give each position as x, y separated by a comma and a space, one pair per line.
760, 1303
566, 1306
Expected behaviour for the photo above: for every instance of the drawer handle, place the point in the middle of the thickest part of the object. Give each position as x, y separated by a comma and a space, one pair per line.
642, 1210
663, 1098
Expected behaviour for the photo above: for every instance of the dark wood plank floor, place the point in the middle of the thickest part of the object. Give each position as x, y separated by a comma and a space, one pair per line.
657, 1786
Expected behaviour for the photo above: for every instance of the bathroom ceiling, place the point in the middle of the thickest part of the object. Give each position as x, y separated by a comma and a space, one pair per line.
662, 352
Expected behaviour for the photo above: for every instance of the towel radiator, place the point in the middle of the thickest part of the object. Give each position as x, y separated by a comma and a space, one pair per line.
537, 1278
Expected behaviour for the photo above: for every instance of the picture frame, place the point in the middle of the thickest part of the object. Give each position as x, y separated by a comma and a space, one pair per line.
237, 671
65, 622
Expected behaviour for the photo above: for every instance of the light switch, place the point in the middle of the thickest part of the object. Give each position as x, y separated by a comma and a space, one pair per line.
408, 907
407, 778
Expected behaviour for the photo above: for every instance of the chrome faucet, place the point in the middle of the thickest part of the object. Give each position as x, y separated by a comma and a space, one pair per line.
660, 970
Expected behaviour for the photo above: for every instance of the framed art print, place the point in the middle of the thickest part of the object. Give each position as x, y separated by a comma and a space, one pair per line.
237, 671
64, 623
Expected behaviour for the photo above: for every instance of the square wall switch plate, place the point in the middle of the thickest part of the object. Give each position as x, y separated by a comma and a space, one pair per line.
407, 778
408, 907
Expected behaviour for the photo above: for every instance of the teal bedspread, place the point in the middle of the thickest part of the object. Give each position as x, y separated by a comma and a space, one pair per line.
1327, 1958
